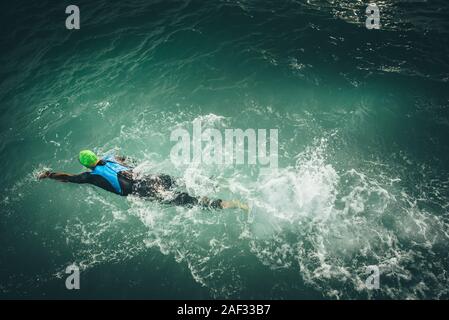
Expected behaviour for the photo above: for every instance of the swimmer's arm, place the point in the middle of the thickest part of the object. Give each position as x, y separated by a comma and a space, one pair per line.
65, 177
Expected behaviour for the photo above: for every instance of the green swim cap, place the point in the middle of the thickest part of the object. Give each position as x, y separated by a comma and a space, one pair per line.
88, 158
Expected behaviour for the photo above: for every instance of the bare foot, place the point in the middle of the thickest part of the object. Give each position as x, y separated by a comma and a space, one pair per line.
235, 204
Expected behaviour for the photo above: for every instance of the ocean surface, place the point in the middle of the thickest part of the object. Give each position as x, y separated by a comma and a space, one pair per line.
363, 126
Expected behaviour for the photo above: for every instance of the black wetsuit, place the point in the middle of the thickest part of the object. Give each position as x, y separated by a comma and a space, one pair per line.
155, 187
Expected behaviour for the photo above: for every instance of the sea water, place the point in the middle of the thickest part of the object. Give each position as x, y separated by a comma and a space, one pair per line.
362, 120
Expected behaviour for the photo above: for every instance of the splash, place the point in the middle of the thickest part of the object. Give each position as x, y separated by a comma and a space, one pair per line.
323, 224
330, 226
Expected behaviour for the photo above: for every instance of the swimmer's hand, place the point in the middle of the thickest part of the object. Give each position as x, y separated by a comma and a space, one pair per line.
43, 175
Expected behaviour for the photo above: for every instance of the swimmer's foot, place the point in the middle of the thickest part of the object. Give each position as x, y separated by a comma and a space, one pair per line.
235, 204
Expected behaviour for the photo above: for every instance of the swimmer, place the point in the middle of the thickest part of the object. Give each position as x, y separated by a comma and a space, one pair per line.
111, 173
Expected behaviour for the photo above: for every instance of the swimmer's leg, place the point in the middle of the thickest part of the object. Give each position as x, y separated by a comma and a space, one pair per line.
182, 199
222, 204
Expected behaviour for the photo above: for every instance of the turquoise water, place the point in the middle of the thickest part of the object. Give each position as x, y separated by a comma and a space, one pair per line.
363, 125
